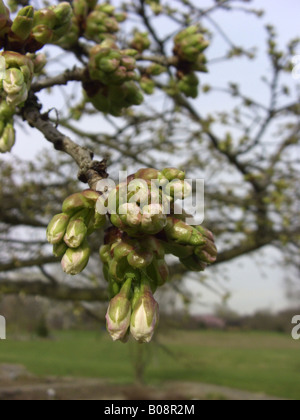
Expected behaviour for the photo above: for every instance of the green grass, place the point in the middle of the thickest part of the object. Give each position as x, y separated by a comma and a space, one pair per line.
257, 362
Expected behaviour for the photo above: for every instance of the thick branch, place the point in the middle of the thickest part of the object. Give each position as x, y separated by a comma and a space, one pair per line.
52, 291
91, 172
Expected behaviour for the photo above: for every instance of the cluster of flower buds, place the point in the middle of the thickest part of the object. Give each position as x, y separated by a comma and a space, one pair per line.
52, 23
68, 231
17, 79
140, 205
188, 85
140, 41
110, 65
189, 47
133, 310
112, 74
137, 267
102, 22
146, 227
7, 132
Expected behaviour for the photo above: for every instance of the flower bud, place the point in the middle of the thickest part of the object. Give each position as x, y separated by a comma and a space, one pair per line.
141, 41
57, 228
121, 250
7, 139
140, 259
75, 260
148, 85
23, 23
42, 34
181, 233
105, 253
59, 249
145, 315
75, 203
153, 220
130, 214
193, 263
75, 234
119, 313
173, 173
147, 174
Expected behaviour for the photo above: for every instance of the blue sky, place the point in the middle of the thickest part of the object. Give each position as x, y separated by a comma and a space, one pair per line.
253, 286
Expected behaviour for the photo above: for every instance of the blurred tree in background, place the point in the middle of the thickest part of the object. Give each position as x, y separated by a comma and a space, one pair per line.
251, 194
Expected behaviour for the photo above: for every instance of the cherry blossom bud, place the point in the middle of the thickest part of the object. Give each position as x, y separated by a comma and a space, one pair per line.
75, 260
119, 313
145, 314
57, 228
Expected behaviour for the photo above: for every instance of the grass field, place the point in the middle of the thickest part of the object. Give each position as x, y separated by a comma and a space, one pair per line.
257, 362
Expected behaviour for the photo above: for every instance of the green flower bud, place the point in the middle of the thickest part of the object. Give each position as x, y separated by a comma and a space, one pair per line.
119, 313
6, 111
153, 220
178, 190
105, 254
130, 214
140, 259
119, 269
99, 221
57, 228
121, 250
147, 85
147, 174
181, 233
7, 139
141, 41
75, 203
23, 23
145, 315
45, 17
75, 234
39, 62
180, 251
154, 246
42, 34
5, 21
59, 250
75, 260
173, 173
113, 288
13, 82
193, 263
156, 70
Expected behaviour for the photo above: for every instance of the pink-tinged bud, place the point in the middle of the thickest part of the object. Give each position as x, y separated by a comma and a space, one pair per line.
119, 313
57, 228
145, 315
76, 233
75, 203
75, 260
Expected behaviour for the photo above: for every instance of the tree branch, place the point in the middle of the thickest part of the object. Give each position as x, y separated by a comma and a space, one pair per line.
62, 79
52, 291
91, 172
33, 262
